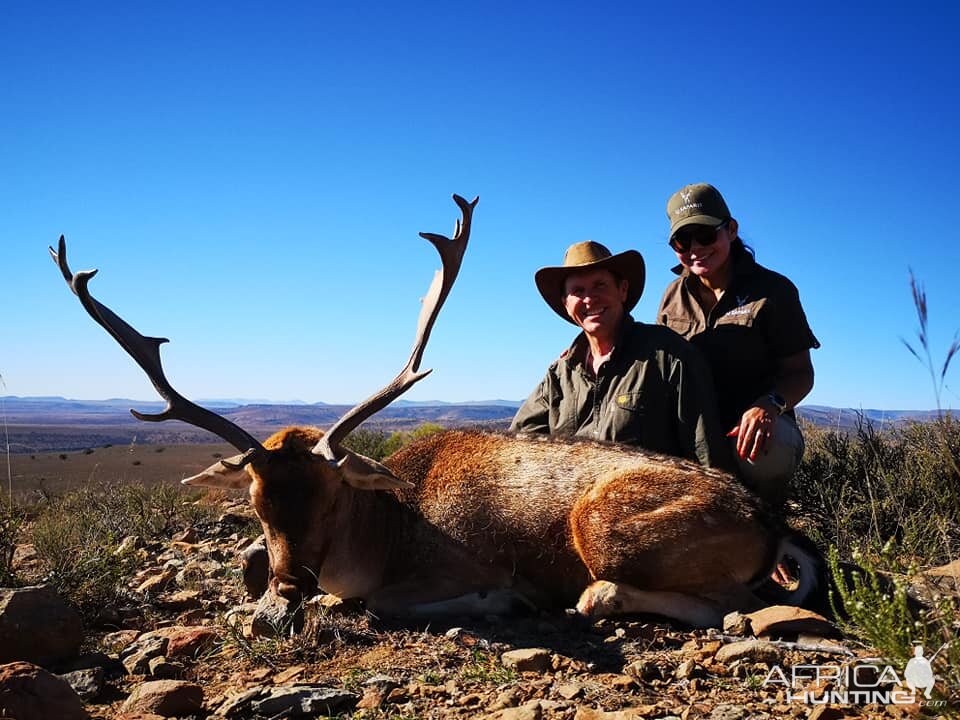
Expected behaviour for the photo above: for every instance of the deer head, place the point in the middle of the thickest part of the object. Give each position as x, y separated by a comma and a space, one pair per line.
293, 476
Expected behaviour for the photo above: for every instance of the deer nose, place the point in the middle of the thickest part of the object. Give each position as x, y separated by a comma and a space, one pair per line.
289, 592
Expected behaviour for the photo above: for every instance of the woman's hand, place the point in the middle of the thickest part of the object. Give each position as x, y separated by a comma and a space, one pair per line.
755, 430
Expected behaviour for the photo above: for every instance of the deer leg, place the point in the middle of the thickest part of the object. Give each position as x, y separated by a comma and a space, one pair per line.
436, 598
603, 598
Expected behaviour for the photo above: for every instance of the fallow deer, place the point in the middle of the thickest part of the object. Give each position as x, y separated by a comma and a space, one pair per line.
463, 522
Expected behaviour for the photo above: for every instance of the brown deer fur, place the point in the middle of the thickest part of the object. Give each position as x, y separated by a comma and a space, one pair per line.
510, 518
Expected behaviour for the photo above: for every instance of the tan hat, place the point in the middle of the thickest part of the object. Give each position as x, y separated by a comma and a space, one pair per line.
697, 204
590, 255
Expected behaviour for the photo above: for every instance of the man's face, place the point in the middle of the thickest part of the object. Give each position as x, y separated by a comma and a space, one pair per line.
594, 301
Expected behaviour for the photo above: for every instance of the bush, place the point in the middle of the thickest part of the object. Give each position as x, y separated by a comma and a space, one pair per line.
864, 489
11, 520
77, 537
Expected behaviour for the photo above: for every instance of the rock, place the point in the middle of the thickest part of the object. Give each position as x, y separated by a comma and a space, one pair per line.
189, 641
162, 669
28, 692
788, 620
168, 698
825, 712
753, 650
508, 698
182, 600
305, 700
238, 706
25, 557
727, 712
736, 624
643, 670
634, 713
157, 582
37, 625
688, 669
527, 660
87, 683
188, 535
138, 716
137, 656
255, 567
568, 691
118, 641
530, 711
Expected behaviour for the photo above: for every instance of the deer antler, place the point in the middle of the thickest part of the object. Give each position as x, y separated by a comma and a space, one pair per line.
146, 352
451, 255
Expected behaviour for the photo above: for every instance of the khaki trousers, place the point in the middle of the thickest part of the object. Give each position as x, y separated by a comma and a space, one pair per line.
769, 475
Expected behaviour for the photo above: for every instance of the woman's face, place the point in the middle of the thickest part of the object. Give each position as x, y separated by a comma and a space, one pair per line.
708, 248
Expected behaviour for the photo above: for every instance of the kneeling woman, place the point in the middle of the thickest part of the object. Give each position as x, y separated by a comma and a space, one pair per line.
750, 325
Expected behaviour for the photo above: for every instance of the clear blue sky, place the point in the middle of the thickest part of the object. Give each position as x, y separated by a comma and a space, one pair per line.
250, 179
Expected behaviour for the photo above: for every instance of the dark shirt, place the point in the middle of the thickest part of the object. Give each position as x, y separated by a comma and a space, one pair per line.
757, 322
654, 392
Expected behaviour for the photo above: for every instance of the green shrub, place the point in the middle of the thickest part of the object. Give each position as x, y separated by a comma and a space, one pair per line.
77, 537
861, 490
11, 521
367, 442
398, 439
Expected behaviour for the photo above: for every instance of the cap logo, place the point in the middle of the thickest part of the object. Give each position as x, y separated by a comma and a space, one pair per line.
685, 194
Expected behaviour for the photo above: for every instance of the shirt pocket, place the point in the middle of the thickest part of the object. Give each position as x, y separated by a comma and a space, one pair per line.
629, 402
744, 315
680, 325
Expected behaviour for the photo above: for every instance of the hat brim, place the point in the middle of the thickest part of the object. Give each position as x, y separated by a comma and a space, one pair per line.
628, 265
696, 220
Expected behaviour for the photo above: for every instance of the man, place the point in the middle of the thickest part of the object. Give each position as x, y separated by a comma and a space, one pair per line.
621, 381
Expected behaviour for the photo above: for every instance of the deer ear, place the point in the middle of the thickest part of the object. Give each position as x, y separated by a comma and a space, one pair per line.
364, 473
220, 475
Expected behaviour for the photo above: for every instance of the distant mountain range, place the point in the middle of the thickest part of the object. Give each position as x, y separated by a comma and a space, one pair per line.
36, 424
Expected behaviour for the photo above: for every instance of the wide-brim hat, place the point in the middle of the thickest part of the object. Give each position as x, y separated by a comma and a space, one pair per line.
586, 256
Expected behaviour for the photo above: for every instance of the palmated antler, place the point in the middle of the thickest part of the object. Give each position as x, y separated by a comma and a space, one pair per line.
451, 255
146, 352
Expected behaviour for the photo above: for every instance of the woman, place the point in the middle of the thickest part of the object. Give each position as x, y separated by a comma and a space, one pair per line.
750, 325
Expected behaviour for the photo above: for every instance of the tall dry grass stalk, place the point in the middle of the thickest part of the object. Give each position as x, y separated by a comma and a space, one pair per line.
6, 441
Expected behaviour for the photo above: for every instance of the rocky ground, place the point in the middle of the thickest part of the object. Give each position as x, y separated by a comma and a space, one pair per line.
185, 649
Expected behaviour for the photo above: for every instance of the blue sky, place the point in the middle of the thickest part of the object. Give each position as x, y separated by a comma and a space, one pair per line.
250, 179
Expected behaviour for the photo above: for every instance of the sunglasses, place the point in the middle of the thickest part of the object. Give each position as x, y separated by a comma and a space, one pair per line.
703, 235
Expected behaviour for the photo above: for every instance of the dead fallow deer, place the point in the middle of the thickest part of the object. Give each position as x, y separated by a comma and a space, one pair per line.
476, 522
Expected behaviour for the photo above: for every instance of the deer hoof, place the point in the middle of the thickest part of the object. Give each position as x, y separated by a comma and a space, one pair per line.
600, 599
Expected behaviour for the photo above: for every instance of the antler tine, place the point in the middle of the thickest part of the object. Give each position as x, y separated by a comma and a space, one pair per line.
451, 255
146, 353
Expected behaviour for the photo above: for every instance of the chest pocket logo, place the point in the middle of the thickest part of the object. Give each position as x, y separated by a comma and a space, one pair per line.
629, 401
743, 315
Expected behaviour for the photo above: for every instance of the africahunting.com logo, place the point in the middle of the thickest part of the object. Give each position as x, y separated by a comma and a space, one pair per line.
859, 683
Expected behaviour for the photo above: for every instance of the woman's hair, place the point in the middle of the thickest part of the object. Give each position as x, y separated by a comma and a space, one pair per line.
738, 247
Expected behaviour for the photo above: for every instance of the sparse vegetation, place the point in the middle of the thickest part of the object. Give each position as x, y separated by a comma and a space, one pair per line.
78, 537
889, 500
377, 444
11, 520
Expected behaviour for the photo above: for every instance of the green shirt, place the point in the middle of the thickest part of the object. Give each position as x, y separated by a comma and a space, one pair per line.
757, 322
654, 392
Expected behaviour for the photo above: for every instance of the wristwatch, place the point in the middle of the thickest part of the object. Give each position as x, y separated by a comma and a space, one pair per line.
777, 399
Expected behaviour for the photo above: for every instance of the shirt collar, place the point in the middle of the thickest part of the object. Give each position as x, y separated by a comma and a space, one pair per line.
577, 352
